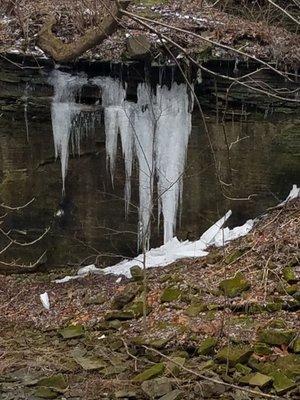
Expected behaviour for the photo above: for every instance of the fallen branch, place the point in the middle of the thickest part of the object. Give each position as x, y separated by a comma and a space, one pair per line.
64, 52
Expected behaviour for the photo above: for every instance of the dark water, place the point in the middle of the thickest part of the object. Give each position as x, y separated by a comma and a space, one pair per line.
257, 159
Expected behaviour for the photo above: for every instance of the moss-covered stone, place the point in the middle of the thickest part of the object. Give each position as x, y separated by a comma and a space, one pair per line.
292, 289
288, 365
262, 349
195, 309
150, 373
56, 382
45, 393
170, 294
207, 346
232, 257
282, 383
138, 309
137, 273
126, 296
289, 275
234, 286
72, 331
243, 369
276, 337
260, 380
234, 355
119, 315
296, 345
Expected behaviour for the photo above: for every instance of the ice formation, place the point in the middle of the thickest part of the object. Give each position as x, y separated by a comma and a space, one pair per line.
64, 109
155, 131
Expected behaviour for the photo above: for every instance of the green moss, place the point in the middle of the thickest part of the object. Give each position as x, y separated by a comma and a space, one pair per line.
276, 337
234, 355
72, 331
45, 393
56, 382
195, 309
282, 383
243, 369
150, 373
289, 274
234, 286
119, 315
207, 346
170, 294
260, 380
262, 349
137, 273
296, 345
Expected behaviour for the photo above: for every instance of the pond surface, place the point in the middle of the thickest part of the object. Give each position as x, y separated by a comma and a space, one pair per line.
248, 163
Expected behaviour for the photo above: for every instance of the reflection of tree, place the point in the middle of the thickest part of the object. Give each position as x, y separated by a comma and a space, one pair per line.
10, 241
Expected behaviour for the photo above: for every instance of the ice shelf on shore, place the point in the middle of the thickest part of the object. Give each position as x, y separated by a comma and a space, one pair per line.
174, 249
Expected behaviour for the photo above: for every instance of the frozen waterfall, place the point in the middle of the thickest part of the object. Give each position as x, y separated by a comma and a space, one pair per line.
154, 131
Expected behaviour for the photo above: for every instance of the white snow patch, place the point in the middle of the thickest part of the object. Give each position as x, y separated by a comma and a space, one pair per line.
294, 193
45, 300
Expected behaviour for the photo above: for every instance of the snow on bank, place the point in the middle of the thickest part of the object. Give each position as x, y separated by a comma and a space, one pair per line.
175, 250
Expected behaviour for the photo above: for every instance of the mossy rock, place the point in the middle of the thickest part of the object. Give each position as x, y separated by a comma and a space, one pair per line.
282, 383
138, 309
288, 365
260, 380
170, 294
289, 275
195, 309
234, 355
292, 289
276, 337
126, 296
273, 307
207, 346
137, 273
243, 369
296, 345
45, 393
232, 257
119, 315
150, 373
56, 382
234, 286
72, 331
262, 349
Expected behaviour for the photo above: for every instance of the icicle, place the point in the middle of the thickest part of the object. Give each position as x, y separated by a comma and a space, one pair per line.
156, 130
63, 110
173, 130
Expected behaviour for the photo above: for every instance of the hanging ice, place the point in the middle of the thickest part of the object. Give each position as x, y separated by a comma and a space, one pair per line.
157, 127
63, 111
155, 130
